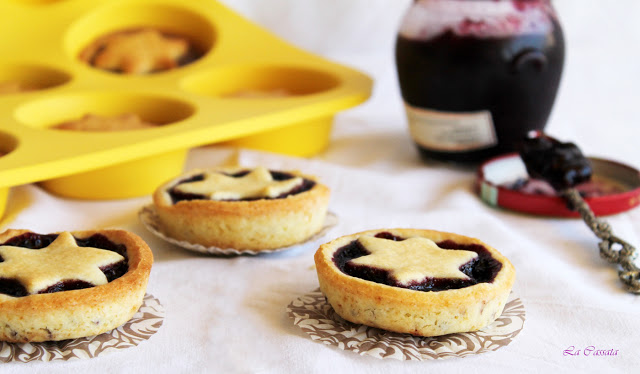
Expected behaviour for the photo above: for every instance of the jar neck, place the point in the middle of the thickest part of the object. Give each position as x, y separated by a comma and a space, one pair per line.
521, 4
480, 18
513, 1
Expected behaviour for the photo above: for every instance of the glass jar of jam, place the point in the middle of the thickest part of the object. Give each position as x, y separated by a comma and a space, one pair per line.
477, 75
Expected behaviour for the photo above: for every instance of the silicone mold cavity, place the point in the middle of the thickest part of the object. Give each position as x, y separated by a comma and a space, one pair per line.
54, 110
129, 179
124, 180
118, 17
8, 143
33, 77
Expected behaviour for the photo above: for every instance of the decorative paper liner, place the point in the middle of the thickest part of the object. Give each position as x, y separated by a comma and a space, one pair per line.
151, 221
145, 322
315, 316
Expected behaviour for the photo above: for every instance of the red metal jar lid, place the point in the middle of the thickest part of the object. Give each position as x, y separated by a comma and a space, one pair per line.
503, 182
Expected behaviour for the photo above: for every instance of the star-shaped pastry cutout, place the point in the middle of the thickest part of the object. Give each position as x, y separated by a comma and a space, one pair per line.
413, 259
62, 260
137, 52
257, 184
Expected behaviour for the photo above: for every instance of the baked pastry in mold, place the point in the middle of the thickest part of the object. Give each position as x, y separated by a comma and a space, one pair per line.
11, 87
94, 122
242, 208
71, 284
139, 51
420, 282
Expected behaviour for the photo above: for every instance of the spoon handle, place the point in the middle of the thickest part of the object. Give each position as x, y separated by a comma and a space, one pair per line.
612, 248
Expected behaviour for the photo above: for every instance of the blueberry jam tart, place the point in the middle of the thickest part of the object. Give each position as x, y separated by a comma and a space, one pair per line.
420, 282
71, 284
242, 208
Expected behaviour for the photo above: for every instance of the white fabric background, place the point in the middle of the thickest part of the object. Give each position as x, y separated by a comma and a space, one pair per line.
227, 315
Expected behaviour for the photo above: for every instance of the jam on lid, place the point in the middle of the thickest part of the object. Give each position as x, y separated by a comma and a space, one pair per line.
504, 182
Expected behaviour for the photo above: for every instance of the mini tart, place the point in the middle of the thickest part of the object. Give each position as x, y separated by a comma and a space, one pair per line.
259, 224
405, 310
80, 312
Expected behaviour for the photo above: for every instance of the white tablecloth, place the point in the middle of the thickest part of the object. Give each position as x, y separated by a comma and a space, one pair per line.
228, 314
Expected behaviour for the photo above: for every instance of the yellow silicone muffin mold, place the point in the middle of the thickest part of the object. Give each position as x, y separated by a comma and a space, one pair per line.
217, 98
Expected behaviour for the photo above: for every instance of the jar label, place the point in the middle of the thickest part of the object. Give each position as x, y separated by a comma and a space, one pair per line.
451, 132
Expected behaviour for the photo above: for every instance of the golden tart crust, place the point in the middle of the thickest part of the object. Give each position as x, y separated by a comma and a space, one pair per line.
79, 313
403, 310
261, 224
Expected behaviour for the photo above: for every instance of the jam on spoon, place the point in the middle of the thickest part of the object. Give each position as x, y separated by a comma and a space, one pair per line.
564, 166
561, 164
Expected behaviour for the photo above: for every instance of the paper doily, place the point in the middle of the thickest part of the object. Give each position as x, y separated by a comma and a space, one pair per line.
315, 316
150, 220
140, 327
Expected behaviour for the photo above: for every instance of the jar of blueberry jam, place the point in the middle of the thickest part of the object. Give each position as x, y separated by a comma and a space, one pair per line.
477, 75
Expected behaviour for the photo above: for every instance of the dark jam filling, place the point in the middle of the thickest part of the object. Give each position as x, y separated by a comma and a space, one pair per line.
482, 269
177, 196
35, 241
